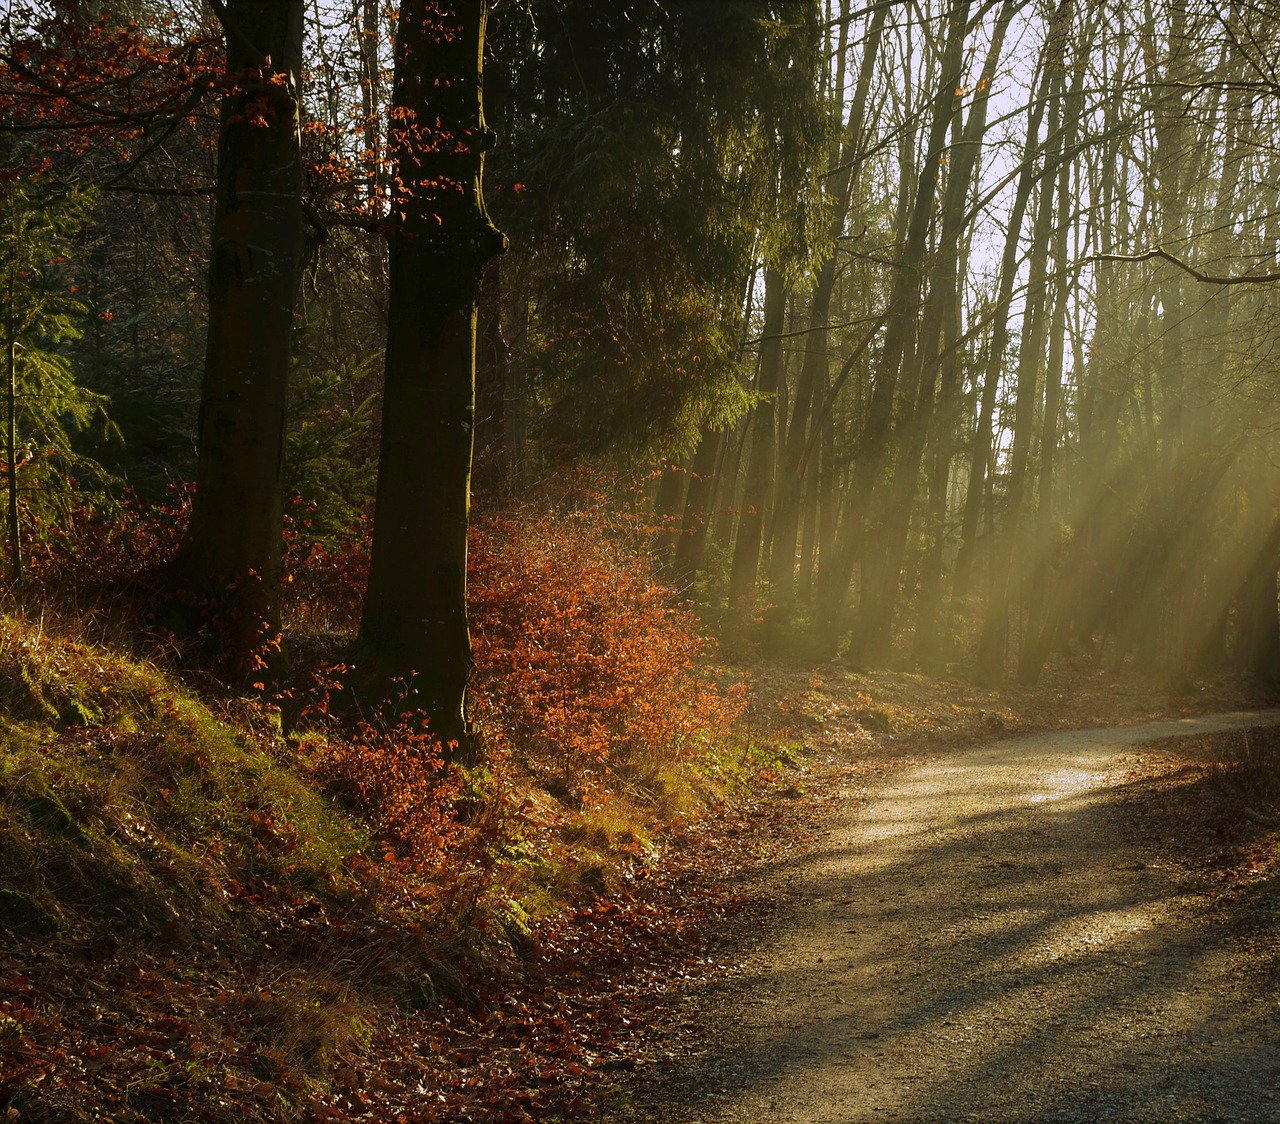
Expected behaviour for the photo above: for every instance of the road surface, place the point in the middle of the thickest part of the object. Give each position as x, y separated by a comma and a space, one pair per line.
978, 938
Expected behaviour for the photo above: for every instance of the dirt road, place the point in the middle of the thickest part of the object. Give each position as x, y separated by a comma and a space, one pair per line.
977, 939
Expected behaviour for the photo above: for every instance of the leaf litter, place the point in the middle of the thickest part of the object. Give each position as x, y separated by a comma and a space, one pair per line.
219, 1028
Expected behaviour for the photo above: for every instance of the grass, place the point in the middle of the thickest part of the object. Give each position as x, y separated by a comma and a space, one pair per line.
1249, 765
170, 859
144, 836
120, 793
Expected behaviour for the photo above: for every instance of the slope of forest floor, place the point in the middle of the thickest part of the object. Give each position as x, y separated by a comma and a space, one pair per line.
190, 934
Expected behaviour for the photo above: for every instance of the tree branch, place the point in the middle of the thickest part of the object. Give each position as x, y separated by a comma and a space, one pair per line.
171, 127
255, 56
136, 189
1188, 268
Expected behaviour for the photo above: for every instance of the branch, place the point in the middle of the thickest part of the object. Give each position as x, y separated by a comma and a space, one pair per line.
204, 190
811, 329
197, 95
255, 56
833, 391
95, 115
1186, 267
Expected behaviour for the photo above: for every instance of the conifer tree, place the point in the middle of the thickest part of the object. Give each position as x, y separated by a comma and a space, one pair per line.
42, 312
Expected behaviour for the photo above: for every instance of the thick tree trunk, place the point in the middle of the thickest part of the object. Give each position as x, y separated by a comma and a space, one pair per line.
230, 556
828, 498
415, 627
809, 515
1209, 351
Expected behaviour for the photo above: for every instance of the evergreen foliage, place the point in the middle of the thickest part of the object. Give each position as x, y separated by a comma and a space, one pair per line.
689, 119
45, 406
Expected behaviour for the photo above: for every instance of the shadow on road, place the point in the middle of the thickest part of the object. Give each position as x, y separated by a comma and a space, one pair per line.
980, 941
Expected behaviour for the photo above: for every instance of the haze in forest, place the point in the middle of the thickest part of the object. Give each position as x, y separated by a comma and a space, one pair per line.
940, 337
483, 480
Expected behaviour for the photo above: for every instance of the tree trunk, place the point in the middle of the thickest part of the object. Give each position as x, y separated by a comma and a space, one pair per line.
11, 440
836, 570
372, 108
981, 456
989, 666
760, 467
929, 641
231, 553
1176, 469
693, 530
1258, 647
414, 627
668, 513
492, 457
1043, 617
879, 600
1104, 392
795, 461
992, 644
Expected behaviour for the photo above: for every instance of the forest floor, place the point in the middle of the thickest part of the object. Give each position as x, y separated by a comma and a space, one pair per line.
1067, 916
1067, 926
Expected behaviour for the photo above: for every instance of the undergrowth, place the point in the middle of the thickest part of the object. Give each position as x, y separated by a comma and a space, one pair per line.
1249, 765
102, 758
282, 874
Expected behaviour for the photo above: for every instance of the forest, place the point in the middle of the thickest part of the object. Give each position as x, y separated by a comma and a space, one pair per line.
450, 446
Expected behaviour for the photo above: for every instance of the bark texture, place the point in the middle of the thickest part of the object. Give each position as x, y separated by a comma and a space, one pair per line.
414, 627
230, 557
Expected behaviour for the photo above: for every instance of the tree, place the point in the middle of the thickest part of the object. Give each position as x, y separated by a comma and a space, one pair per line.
414, 626
642, 143
42, 312
231, 555
795, 460
939, 310
837, 567
760, 466
107, 98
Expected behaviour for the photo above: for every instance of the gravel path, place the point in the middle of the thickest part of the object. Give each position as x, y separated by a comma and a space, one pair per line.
977, 939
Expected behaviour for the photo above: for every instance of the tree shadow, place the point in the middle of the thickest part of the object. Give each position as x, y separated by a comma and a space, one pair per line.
1045, 974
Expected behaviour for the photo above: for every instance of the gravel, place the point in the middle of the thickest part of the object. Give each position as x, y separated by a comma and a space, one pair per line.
977, 938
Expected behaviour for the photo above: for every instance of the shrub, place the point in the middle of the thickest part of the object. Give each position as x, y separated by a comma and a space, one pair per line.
583, 665
324, 574
391, 770
100, 553
436, 827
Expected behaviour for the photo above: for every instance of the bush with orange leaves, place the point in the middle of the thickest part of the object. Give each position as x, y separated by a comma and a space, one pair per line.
435, 837
584, 667
393, 771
